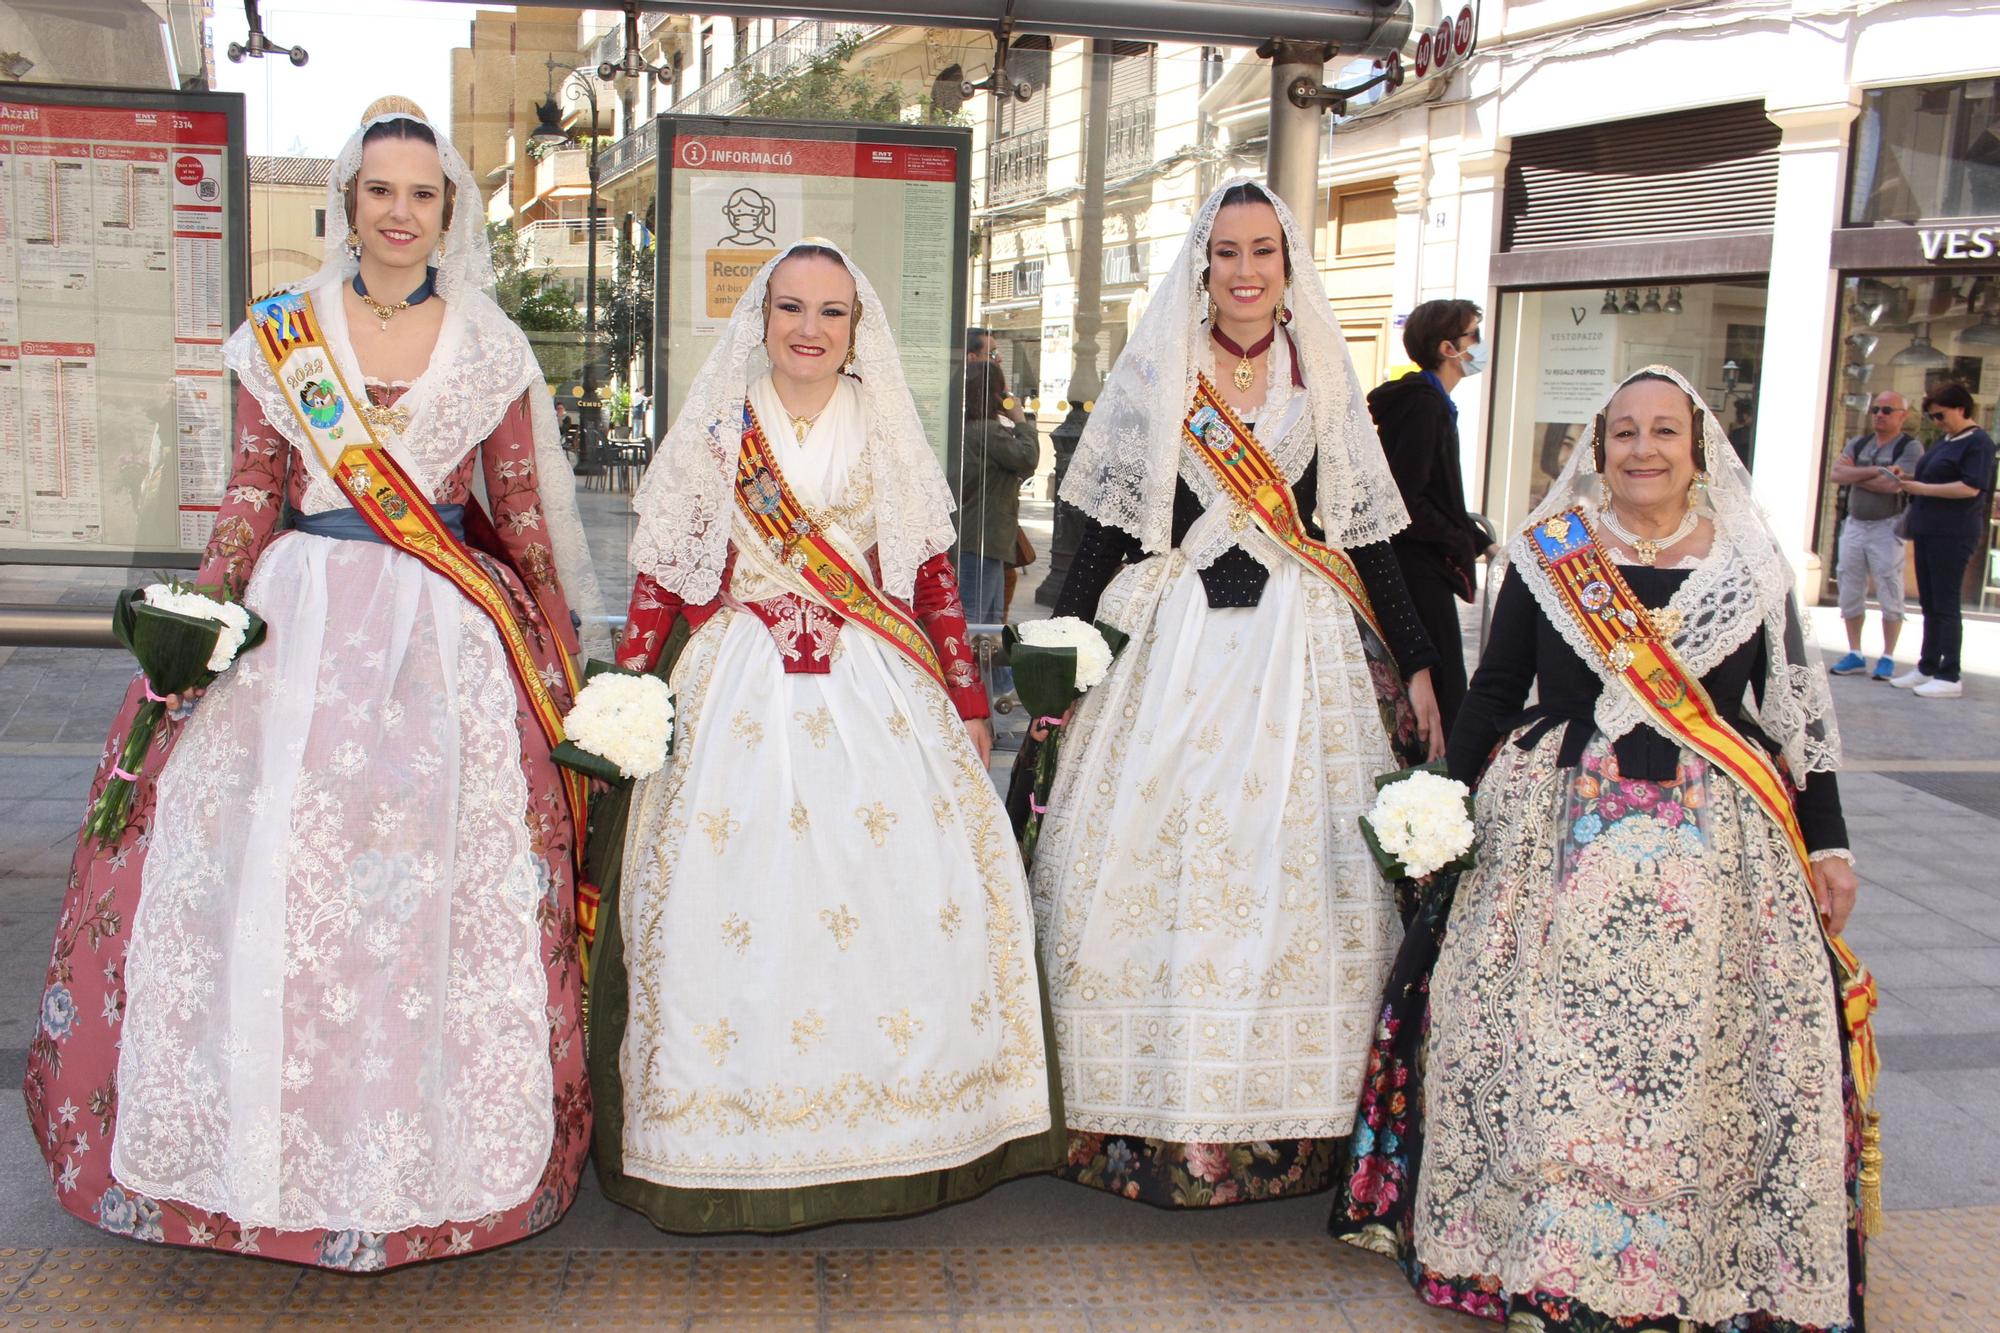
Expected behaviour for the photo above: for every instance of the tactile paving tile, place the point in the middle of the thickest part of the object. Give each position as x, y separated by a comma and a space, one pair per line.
614, 1285
511, 1283
1112, 1277
1005, 1277
1024, 1321
213, 1283
72, 1284
387, 1295
1157, 1319
890, 1282
759, 1282
1403, 1314
1270, 1270
15, 1266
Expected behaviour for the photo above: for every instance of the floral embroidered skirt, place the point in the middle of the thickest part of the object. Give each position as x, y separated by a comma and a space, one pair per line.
1215, 929
320, 1001
821, 1001
1608, 1089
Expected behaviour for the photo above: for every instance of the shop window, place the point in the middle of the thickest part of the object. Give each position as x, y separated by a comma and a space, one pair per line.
1908, 334
1558, 354
1931, 151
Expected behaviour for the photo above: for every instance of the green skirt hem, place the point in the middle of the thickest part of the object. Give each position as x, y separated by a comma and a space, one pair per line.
707, 1211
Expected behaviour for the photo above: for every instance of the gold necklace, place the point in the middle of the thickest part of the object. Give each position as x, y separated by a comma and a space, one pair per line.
802, 426
383, 313
1646, 550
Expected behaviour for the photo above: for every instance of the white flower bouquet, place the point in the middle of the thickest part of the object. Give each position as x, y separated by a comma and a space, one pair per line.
183, 638
1055, 662
621, 726
1421, 823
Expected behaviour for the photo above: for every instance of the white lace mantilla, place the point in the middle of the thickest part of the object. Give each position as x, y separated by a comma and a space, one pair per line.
1130, 454
1743, 586
684, 504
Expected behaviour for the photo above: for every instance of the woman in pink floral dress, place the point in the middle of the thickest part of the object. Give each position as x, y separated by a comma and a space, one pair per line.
320, 1001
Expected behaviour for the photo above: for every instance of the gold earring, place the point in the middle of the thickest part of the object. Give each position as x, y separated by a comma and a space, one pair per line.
353, 243
1284, 313
847, 362
1698, 488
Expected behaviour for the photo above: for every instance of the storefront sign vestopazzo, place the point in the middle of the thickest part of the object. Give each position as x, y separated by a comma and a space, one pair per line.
1979, 241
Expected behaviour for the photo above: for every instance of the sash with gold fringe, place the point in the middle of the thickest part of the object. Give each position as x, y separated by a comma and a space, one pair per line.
1261, 494
394, 506
1621, 628
795, 540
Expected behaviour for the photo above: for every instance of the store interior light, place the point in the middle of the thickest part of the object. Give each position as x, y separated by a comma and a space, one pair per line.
1631, 306
1652, 306
1673, 305
1610, 304
1863, 345
1920, 352
1986, 332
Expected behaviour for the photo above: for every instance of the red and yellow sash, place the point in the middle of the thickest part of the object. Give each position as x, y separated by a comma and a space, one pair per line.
1249, 477
1620, 627
794, 539
395, 508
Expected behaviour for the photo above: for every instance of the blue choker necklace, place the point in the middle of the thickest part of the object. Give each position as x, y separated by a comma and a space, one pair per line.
383, 311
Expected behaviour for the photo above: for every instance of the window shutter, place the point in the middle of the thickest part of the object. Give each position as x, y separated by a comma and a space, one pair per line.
1686, 174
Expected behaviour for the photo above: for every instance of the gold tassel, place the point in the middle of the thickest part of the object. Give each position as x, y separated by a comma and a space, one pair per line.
1870, 1174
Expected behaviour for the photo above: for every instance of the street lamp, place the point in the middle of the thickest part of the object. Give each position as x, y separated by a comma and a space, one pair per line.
577, 87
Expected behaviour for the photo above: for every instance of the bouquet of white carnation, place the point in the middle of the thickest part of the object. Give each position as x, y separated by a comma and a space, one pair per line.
621, 726
1421, 823
1055, 661
183, 639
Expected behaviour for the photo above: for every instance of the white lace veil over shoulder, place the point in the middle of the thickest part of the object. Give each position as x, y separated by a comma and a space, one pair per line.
1744, 586
1126, 462
486, 365
685, 507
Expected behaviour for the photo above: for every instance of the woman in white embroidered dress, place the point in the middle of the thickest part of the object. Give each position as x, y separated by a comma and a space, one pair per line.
1215, 930
817, 996
1614, 1096
329, 968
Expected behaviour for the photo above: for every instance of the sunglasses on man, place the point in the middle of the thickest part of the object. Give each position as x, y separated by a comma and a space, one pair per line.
1935, 416
1881, 411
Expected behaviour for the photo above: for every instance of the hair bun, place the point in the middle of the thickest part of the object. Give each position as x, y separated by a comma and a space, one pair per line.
393, 106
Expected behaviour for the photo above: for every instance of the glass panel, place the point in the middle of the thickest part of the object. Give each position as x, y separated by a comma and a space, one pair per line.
1907, 334
1559, 354
1926, 152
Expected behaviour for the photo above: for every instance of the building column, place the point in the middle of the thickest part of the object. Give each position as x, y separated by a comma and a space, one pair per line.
1405, 291
1482, 175
1800, 323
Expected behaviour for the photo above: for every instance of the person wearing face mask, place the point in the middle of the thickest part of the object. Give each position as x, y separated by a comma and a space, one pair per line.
1418, 425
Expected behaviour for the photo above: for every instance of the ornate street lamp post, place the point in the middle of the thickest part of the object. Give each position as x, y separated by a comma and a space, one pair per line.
577, 87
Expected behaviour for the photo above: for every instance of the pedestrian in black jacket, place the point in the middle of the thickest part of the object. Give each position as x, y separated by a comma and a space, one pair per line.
1418, 424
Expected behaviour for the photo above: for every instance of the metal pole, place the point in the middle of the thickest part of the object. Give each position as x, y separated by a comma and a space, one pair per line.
1084, 382
56, 627
1291, 162
592, 417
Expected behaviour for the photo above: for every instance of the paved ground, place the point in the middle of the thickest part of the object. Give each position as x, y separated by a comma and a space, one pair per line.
1922, 791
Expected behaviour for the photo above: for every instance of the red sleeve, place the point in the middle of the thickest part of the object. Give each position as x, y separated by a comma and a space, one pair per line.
513, 491
942, 615
648, 620
252, 502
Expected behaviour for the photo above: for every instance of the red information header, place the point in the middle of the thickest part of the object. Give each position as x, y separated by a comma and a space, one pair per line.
816, 157
22, 119
58, 349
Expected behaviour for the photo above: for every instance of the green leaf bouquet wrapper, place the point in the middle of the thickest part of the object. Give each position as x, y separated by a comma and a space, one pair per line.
604, 840
172, 650
1392, 866
1045, 680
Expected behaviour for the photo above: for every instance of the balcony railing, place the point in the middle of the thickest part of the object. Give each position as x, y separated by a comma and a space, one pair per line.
564, 243
790, 49
1018, 167
1129, 137
630, 152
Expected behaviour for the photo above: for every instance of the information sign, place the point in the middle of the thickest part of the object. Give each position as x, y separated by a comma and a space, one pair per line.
121, 268
735, 191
